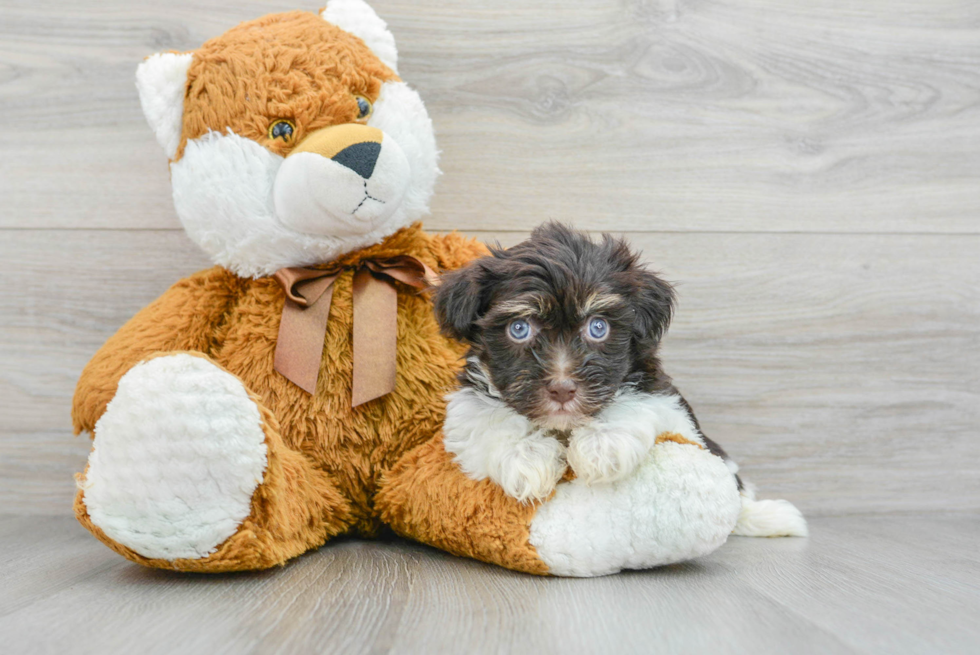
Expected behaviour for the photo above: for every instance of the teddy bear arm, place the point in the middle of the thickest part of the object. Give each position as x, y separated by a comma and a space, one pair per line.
426, 497
185, 318
681, 503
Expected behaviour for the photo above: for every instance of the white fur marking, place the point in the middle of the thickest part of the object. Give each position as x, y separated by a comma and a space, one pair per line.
612, 445
478, 374
680, 503
176, 458
769, 518
490, 440
161, 81
357, 18
562, 362
598, 453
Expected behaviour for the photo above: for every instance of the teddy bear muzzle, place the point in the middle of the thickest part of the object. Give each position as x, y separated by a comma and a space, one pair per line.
343, 180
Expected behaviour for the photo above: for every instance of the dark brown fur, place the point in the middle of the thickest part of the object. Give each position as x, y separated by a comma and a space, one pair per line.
552, 279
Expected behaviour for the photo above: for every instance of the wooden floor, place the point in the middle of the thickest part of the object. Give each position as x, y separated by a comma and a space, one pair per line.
899, 584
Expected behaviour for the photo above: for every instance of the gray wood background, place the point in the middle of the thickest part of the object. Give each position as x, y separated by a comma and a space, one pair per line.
807, 172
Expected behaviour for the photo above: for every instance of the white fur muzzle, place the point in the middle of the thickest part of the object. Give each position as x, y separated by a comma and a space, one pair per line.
317, 195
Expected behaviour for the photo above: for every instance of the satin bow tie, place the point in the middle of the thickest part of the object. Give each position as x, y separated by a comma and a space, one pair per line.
303, 327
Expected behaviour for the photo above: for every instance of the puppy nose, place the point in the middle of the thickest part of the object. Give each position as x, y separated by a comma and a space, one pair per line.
360, 157
561, 391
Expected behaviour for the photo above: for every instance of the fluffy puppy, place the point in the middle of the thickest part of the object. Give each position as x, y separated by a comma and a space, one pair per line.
563, 370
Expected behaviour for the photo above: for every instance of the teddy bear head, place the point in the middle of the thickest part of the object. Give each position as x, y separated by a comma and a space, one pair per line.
291, 138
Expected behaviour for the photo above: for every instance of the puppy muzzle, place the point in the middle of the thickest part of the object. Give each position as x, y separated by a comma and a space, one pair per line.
343, 180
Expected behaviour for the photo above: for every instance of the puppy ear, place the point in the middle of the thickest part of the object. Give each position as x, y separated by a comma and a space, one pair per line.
651, 298
653, 301
460, 300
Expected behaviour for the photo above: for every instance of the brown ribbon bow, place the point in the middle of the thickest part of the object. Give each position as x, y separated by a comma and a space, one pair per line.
304, 322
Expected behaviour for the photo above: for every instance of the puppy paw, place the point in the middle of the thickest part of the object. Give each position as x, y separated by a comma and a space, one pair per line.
599, 454
529, 468
490, 440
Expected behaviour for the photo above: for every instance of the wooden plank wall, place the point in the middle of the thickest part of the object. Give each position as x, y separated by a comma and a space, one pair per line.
807, 172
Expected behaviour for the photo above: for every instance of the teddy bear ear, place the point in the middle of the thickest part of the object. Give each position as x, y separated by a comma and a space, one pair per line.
162, 82
357, 18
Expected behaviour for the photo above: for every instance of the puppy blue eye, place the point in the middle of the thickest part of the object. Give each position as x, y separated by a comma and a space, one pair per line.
519, 330
598, 328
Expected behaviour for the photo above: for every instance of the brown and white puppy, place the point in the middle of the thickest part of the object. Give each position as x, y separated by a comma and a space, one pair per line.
563, 370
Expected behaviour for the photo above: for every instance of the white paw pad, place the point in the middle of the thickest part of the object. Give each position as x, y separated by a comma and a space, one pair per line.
680, 503
599, 455
528, 469
176, 458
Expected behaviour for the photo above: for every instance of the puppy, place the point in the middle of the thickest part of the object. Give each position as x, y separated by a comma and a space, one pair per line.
563, 371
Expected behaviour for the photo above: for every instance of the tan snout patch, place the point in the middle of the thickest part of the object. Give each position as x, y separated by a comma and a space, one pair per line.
331, 140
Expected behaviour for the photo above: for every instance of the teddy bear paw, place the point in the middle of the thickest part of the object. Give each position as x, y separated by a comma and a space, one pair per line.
681, 502
175, 458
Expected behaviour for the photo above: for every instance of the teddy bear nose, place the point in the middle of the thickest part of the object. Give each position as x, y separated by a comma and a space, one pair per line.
561, 391
360, 158
352, 145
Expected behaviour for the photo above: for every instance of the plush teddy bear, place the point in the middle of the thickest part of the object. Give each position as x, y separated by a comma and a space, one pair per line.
295, 391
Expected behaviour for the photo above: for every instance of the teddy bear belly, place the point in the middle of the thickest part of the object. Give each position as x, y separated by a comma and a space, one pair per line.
354, 445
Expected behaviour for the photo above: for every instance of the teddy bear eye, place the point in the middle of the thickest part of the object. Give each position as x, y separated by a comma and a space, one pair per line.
281, 129
363, 107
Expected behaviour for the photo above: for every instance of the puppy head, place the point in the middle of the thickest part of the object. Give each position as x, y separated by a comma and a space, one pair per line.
557, 324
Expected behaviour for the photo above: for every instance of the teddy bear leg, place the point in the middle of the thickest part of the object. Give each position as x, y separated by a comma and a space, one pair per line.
426, 497
188, 472
681, 502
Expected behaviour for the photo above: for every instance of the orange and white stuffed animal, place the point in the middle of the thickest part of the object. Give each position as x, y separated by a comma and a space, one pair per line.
295, 391
295, 151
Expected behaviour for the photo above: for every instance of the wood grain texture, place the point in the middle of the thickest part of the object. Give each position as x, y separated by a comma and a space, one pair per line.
644, 115
841, 371
908, 584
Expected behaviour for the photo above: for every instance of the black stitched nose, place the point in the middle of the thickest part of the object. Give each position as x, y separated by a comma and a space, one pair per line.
561, 391
360, 158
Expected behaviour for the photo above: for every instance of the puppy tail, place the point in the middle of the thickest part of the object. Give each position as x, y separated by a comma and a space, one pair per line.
768, 518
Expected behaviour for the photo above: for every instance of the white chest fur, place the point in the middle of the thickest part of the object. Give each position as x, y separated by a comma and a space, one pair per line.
491, 440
